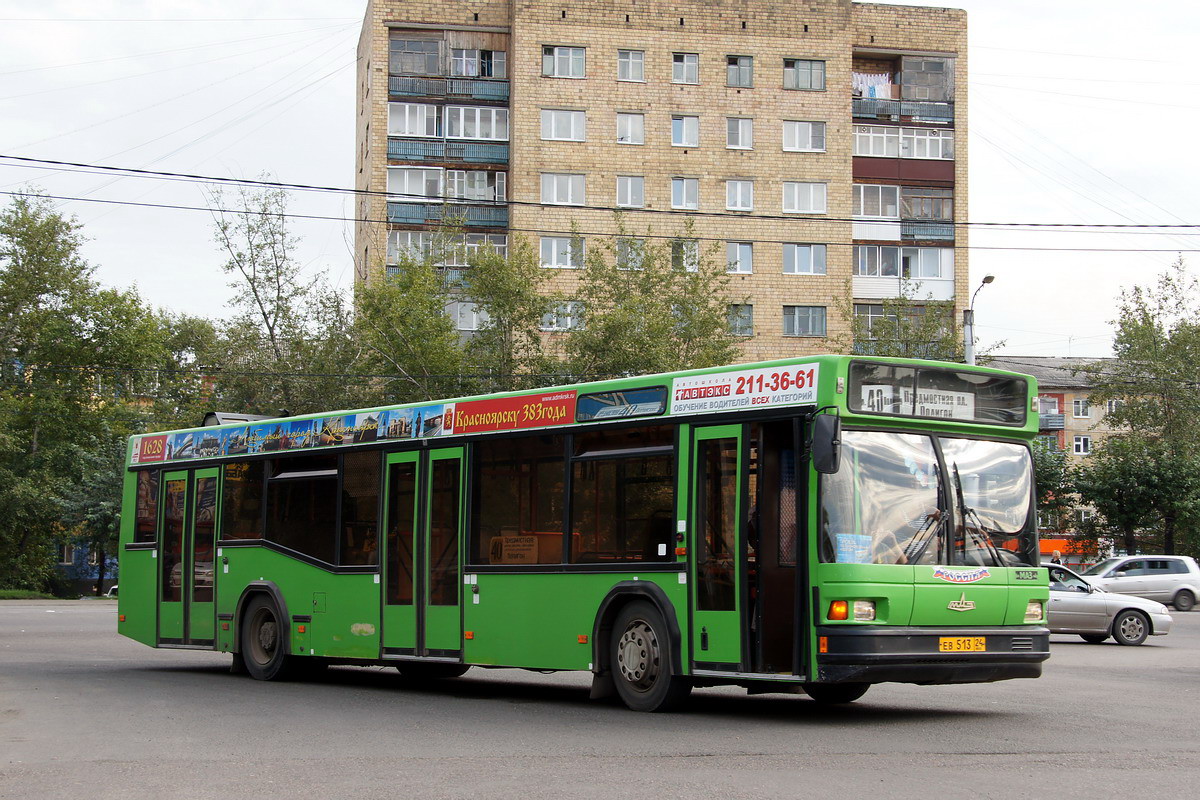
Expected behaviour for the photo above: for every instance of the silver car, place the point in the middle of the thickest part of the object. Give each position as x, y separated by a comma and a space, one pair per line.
1167, 579
1077, 606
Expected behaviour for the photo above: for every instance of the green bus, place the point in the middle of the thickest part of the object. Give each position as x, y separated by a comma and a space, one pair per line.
813, 524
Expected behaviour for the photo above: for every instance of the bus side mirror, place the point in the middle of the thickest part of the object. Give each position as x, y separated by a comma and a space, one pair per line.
827, 443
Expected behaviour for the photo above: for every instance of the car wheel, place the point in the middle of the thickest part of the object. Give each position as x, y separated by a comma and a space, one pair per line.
422, 671
1094, 638
640, 660
835, 693
1184, 600
263, 644
1130, 628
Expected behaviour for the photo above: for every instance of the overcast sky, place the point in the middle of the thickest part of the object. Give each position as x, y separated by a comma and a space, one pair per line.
1079, 113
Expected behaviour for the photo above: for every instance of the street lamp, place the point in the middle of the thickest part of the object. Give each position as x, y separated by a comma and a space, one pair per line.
969, 322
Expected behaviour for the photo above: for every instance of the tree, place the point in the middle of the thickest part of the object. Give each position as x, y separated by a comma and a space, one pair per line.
904, 327
651, 308
1053, 477
92, 506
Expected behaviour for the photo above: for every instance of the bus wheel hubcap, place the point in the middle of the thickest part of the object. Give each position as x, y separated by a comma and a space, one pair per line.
266, 636
637, 655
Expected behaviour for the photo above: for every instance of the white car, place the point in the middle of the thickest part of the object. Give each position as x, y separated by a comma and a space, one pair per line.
1167, 579
1077, 606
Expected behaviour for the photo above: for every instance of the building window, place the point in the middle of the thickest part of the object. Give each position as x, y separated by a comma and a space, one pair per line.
1085, 514
876, 202
685, 193
800, 73
631, 65
804, 137
566, 316
630, 252
476, 122
685, 254
1114, 405
631, 128
631, 191
93, 556
803, 320
804, 259
476, 184
1081, 409
1047, 405
922, 203
561, 252
891, 142
740, 256
876, 140
561, 189
739, 195
562, 62
685, 68
803, 198
1083, 445
564, 126
468, 316
414, 184
739, 71
66, 554
913, 263
739, 133
412, 119
479, 63
741, 319
414, 57
685, 131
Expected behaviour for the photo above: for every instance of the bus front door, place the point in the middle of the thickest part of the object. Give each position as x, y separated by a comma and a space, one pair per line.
422, 609
718, 547
186, 611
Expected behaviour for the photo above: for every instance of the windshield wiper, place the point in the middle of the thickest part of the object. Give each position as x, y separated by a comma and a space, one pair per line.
920, 542
979, 532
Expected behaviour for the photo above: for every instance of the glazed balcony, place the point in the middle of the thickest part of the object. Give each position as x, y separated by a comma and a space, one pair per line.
468, 214
452, 88
435, 150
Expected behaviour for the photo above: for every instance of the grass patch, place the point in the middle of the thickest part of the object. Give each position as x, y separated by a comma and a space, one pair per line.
24, 594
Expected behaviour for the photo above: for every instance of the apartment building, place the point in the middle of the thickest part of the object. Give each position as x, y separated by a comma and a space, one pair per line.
817, 148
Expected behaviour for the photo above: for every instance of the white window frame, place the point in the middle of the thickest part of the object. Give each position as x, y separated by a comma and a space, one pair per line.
685, 130
685, 68
791, 74
1047, 405
631, 66
741, 319
1083, 405
631, 191
803, 197
739, 257
559, 61
476, 184
739, 195
564, 189
800, 136
631, 127
685, 193
558, 252
562, 125
877, 141
566, 315
876, 197
630, 252
1082, 445
739, 72
929, 144
790, 317
402, 190
739, 133
685, 254
804, 259
413, 119
468, 316
66, 554
461, 119
1114, 404
891, 261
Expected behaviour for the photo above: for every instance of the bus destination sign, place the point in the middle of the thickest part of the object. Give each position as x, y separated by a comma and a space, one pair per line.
743, 390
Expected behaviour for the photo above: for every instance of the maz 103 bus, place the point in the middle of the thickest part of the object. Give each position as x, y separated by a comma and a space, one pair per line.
815, 524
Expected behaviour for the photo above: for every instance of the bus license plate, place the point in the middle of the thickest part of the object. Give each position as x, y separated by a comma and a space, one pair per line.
962, 644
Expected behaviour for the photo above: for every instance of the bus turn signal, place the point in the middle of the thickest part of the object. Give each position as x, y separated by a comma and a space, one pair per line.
839, 609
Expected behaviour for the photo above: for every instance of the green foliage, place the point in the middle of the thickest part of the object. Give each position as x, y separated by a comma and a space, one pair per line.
1053, 476
23, 594
645, 311
910, 327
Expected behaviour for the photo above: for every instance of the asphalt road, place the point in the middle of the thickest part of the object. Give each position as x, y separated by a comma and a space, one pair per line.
85, 713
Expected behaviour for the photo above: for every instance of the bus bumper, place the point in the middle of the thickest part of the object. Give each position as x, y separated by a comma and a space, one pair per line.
875, 654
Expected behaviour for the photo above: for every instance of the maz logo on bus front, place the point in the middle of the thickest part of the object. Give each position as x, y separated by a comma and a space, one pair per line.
961, 575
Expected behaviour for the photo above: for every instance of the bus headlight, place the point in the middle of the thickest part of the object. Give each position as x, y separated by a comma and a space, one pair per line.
1034, 611
864, 610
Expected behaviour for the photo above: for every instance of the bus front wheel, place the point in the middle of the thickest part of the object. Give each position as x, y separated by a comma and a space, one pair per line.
640, 660
264, 648
835, 693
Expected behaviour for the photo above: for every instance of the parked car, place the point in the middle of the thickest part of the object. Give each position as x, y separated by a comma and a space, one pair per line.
1167, 579
112, 591
1078, 606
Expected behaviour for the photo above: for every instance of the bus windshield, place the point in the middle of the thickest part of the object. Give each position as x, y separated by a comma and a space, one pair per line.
890, 503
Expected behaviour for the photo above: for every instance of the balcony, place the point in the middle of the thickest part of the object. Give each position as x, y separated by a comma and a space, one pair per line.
456, 88
895, 110
425, 150
924, 231
1052, 422
488, 216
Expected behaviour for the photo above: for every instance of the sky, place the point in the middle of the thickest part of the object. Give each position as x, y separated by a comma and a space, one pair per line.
1077, 112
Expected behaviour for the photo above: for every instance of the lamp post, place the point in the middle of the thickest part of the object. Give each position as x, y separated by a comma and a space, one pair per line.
969, 322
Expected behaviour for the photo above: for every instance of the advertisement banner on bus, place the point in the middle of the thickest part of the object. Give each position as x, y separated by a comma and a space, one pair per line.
515, 413
742, 390
149, 449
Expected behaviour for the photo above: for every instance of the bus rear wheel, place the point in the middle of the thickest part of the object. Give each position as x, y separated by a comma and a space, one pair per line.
640, 660
835, 693
264, 646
